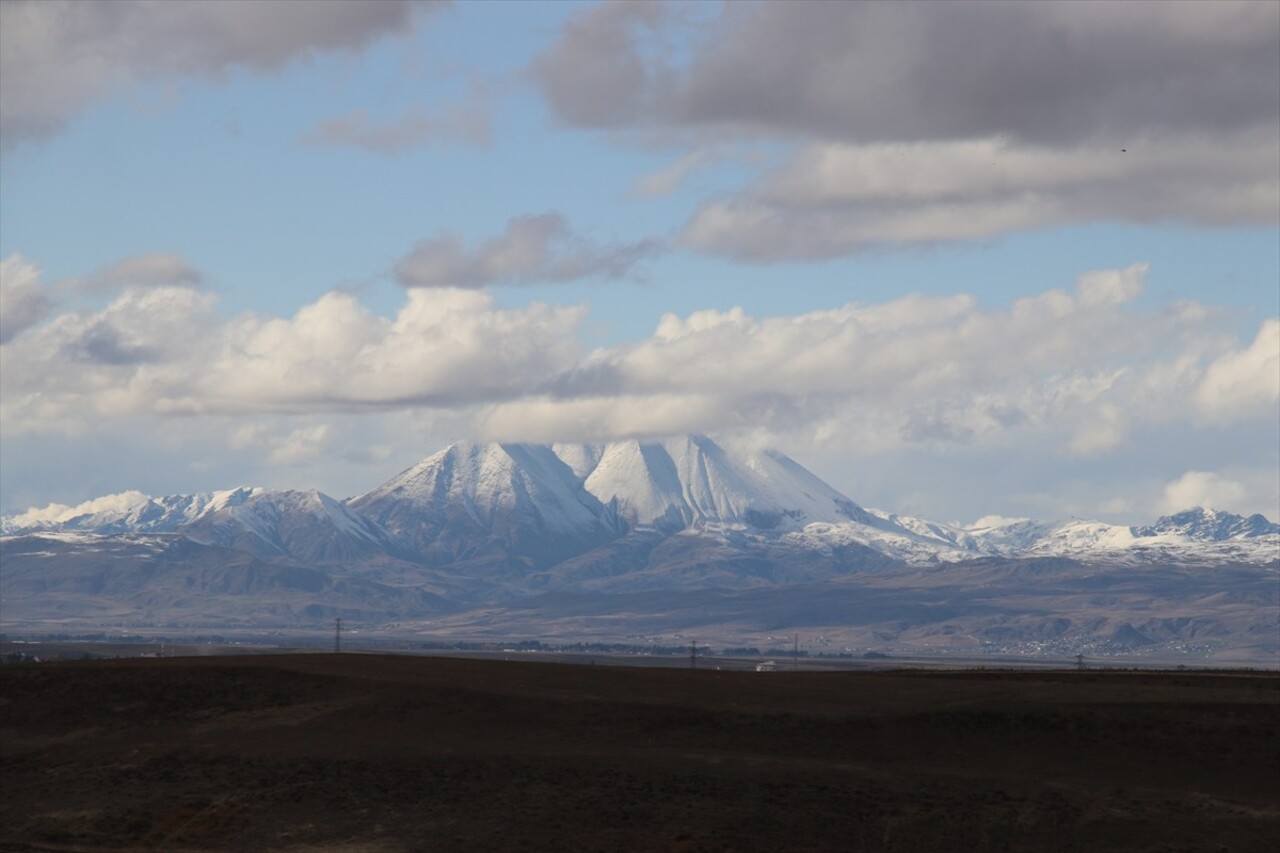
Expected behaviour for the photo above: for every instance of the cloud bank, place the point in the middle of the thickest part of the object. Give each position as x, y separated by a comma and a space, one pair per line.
1055, 73
164, 350
1082, 375
1080, 367
830, 199
916, 123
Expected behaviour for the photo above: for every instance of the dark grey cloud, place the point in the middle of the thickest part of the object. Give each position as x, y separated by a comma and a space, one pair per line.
596, 76
58, 56
1045, 72
533, 249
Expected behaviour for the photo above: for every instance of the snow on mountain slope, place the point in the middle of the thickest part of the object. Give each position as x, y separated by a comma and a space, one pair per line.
1209, 525
691, 481
1196, 531
1197, 535
1006, 537
127, 512
304, 525
581, 458
1077, 536
475, 500
907, 547
989, 536
1010, 537
1194, 536
519, 505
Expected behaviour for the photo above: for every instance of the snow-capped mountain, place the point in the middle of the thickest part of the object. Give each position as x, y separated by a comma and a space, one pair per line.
130, 512
693, 482
1194, 535
1207, 525
987, 536
304, 525
1197, 535
537, 505
491, 501
634, 533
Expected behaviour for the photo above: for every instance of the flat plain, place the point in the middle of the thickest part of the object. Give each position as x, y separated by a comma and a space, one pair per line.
387, 753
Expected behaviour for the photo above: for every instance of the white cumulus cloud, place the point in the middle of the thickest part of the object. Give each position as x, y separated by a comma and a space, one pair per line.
1203, 488
165, 350
56, 512
1244, 380
1085, 375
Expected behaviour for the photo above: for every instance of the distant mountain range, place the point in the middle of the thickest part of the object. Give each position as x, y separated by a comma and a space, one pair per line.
513, 526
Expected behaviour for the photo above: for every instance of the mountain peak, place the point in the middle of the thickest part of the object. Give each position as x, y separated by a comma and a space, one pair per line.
303, 524
475, 500
1209, 525
691, 481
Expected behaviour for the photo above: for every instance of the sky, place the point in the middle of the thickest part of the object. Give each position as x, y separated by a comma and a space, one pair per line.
959, 259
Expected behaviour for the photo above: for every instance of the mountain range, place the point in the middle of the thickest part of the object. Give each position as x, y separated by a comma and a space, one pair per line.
617, 539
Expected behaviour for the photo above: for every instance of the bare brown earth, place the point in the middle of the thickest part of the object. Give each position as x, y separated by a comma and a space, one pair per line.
384, 753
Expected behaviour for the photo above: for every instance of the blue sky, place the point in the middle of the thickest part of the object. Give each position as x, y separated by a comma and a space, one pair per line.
306, 244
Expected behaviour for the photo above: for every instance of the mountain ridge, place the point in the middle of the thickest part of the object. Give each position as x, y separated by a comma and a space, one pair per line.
502, 540
544, 503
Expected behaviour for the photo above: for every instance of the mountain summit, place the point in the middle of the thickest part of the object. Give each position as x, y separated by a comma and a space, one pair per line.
491, 502
692, 481
1208, 525
304, 525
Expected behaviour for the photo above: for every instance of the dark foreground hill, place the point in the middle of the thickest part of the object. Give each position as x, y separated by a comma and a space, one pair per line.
354, 752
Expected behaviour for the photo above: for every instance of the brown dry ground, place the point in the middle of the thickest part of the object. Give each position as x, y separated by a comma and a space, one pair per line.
384, 753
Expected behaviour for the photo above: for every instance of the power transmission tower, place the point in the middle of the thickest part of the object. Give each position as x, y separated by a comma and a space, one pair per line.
1079, 661
693, 654
795, 653
337, 635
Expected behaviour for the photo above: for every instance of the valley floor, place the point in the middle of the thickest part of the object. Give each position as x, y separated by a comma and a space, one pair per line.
396, 753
